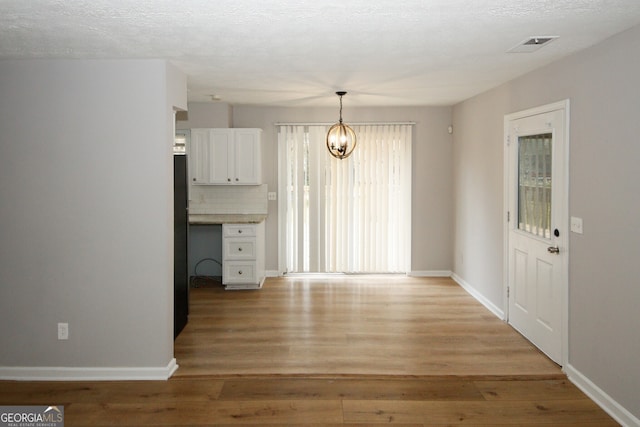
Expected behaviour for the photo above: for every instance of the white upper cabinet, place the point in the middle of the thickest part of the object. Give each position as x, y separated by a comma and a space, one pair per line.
226, 156
247, 156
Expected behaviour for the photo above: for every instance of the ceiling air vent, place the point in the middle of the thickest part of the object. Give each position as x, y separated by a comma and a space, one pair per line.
532, 44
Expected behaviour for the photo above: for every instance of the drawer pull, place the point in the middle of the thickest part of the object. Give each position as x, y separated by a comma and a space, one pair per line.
239, 231
239, 249
240, 272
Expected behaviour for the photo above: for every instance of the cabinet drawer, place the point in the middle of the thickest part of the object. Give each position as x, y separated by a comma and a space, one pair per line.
240, 272
239, 248
240, 230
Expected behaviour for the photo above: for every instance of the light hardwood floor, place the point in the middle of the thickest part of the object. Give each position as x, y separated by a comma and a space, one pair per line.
333, 351
361, 325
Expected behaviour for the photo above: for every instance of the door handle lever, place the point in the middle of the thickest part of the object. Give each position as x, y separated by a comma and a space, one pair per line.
553, 250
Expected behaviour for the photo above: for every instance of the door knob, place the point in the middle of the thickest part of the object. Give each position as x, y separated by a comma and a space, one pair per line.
553, 250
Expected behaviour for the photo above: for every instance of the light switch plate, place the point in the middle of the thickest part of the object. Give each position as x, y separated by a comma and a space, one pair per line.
576, 225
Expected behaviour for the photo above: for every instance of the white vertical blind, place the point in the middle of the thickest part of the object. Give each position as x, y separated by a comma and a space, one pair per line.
292, 141
355, 213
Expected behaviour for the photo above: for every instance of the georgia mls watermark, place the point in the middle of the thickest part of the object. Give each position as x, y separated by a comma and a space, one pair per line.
31, 416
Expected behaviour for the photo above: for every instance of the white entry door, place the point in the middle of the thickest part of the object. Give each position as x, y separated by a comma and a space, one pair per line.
538, 226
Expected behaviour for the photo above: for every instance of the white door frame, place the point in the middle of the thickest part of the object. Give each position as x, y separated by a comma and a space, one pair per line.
561, 105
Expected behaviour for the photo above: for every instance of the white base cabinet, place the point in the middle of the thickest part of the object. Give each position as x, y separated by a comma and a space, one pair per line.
243, 256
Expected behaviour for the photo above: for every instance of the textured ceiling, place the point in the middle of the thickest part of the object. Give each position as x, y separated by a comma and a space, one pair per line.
298, 53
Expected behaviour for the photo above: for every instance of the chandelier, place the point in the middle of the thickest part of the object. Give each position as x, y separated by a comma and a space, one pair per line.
341, 139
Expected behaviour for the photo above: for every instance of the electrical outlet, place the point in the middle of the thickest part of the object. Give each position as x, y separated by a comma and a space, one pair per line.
272, 195
63, 331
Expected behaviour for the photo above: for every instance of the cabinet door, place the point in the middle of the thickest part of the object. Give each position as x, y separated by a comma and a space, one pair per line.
235, 272
247, 159
239, 230
199, 156
235, 249
221, 156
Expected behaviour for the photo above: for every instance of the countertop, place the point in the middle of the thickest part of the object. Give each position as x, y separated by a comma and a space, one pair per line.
226, 218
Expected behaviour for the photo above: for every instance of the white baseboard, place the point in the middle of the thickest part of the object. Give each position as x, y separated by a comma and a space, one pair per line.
87, 374
430, 273
478, 296
606, 402
272, 273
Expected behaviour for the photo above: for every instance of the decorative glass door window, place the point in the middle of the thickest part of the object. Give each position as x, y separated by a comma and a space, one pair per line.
534, 184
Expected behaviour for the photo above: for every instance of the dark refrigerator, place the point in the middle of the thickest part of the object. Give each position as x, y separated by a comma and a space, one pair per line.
181, 236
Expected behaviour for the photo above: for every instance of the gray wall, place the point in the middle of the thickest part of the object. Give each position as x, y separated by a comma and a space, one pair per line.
432, 198
86, 212
205, 115
205, 250
601, 83
432, 204
431, 245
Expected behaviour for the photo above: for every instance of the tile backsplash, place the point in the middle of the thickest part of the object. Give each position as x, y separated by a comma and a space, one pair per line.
228, 199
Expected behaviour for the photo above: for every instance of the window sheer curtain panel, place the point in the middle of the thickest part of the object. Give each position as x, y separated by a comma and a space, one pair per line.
352, 215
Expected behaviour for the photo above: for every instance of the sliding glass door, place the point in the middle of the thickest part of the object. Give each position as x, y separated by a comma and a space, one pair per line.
351, 215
